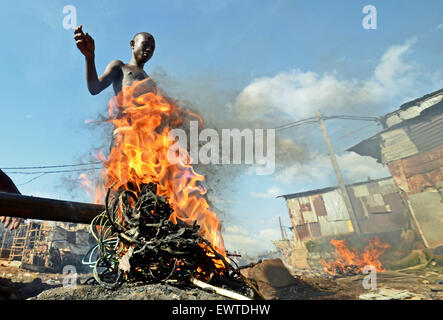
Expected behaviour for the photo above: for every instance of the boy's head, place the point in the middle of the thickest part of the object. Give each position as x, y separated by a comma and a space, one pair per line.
143, 46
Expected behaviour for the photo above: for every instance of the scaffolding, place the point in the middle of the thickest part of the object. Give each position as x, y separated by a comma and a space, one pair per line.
5, 244
30, 242
45, 246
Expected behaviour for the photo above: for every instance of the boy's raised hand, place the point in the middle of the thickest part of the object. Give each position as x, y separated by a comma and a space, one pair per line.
84, 42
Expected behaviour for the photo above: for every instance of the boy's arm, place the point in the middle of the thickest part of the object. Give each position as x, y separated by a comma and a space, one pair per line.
96, 84
6, 185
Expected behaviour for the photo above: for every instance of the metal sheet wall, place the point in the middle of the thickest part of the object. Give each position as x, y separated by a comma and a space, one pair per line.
378, 206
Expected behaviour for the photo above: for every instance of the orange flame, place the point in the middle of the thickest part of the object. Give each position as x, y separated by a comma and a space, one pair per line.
139, 155
94, 191
353, 260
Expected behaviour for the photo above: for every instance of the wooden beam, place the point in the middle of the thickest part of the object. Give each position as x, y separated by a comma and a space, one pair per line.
17, 205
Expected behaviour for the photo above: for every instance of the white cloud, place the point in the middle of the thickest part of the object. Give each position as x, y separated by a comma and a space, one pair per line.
299, 94
354, 168
393, 73
272, 192
357, 168
270, 234
241, 240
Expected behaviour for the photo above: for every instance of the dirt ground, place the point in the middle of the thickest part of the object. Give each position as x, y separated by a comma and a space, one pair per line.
277, 282
272, 278
20, 284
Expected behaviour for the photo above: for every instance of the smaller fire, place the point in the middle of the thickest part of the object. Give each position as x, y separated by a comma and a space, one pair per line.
352, 261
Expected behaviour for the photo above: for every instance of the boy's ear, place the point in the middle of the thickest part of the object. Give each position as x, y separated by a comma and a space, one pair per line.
132, 43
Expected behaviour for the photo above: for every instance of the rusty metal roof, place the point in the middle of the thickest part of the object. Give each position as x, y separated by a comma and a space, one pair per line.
412, 109
405, 139
328, 189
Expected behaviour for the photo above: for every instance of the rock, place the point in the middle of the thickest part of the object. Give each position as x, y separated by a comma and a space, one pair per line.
271, 271
391, 294
274, 281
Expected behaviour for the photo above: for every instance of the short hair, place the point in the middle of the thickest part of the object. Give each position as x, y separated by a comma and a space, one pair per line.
144, 34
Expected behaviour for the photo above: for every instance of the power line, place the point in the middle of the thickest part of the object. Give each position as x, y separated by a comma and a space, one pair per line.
29, 181
52, 167
297, 123
356, 130
45, 172
315, 120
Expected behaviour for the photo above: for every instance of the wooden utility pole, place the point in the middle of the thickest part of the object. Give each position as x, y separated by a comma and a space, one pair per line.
283, 233
339, 176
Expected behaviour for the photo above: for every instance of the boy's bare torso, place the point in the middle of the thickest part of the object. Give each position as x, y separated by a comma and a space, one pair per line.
126, 74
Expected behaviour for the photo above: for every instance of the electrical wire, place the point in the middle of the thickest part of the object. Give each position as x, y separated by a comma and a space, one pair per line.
356, 130
315, 119
52, 167
56, 171
29, 181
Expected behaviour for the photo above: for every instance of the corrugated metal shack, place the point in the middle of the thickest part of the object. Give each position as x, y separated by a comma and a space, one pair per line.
411, 145
377, 204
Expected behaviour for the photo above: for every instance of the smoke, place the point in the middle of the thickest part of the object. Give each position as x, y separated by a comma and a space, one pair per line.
268, 102
100, 133
215, 103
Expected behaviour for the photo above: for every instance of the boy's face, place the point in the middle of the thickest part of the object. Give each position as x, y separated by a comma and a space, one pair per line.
143, 47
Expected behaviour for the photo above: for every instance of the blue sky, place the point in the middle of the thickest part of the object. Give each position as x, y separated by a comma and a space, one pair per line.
284, 59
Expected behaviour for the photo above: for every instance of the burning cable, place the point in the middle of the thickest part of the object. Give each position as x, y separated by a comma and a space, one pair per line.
138, 243
157, 226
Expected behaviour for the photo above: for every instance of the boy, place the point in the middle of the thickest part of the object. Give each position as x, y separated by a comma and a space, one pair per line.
117, 73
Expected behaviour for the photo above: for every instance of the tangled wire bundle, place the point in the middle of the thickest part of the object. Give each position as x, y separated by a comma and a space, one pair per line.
138, 243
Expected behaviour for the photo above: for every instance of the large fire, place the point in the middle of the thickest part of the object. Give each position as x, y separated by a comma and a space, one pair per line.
139, 155
353, 261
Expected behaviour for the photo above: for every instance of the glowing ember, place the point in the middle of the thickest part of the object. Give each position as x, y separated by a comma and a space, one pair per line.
352, 261
140, 155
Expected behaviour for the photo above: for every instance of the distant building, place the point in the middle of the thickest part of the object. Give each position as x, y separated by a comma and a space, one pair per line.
377, 204
411, 145
46, 246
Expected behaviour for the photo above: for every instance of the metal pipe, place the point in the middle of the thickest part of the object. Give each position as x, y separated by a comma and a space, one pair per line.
17, 205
